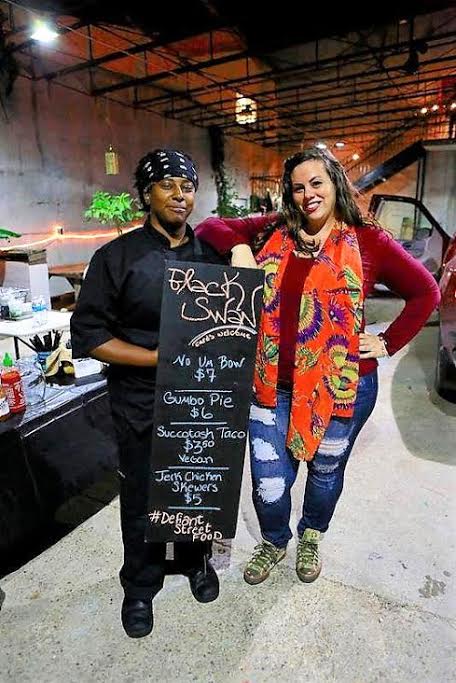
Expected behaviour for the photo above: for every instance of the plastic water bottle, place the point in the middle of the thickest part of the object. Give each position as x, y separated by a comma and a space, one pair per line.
40, 311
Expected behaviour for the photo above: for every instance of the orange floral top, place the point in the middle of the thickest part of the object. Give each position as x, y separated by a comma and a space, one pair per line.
325, 377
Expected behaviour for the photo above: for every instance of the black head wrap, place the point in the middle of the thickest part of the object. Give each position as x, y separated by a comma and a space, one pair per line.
163, 163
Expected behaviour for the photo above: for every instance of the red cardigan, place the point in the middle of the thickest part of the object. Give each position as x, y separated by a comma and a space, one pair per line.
384, 261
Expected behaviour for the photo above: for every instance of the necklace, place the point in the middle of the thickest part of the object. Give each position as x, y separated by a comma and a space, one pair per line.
307, 248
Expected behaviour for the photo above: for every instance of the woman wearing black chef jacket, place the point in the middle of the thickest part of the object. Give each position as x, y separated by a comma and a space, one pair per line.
117, 320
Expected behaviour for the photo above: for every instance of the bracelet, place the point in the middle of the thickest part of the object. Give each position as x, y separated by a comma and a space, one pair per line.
385, 347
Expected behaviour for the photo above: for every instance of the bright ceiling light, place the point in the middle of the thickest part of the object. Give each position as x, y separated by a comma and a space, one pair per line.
320, 145
340, 144
355, 156
423, 110
44, 33
435, 107
453, 105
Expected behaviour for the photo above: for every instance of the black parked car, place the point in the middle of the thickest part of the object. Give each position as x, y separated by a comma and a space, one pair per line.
445, 376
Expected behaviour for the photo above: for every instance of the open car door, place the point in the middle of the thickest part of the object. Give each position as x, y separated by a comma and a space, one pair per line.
414, 227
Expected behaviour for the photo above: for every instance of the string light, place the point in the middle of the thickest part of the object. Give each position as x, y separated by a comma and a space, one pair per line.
30, 244
355, 156
95, 235
59, 236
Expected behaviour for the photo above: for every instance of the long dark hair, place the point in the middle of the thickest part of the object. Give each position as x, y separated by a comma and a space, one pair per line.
346, 208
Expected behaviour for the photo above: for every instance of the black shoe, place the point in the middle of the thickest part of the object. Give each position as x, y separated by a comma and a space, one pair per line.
137, 617
204, 583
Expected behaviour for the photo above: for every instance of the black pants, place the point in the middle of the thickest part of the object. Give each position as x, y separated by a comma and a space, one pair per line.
145, 566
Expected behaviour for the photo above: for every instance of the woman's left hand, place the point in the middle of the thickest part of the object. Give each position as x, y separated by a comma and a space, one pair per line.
371, 346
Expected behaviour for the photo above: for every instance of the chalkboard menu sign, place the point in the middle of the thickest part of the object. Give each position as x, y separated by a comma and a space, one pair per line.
207, 345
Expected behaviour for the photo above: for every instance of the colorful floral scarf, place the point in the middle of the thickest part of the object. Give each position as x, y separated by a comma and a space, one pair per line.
325, 377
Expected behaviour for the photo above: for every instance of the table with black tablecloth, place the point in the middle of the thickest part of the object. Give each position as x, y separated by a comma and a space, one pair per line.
51, 453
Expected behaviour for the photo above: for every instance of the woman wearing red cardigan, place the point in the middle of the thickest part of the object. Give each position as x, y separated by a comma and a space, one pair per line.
316, 368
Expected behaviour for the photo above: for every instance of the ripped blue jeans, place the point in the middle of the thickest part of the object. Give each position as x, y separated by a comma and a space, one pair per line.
274, 469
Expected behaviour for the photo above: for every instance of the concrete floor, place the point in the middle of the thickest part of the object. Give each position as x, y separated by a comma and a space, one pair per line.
382, 610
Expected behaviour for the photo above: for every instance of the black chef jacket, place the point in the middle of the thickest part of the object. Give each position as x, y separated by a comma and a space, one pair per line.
121, 297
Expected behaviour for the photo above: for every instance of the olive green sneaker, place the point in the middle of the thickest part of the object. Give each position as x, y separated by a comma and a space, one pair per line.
264, 559
308, 560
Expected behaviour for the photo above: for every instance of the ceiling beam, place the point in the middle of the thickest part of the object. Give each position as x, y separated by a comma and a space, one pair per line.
309, 83
216, 117
152, 78
340, 107
384, 128
339, 120
120, 54
351, 132
337, 62
297, 101
331, 128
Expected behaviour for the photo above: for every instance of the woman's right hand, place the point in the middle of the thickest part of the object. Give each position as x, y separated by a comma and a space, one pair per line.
242, 257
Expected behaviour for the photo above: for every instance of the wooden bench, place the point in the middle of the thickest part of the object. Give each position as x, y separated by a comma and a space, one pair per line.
73, 272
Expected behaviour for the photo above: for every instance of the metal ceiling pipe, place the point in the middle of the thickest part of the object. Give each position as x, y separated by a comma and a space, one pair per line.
317, 98
341, 107
135, 82
365, 55
309, 83
120, 54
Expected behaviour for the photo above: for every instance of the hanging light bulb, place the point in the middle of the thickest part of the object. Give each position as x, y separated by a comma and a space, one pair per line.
246, 110
111, 161
355, 156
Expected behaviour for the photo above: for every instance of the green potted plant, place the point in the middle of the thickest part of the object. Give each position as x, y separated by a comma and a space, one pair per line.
227, 198
115, 209
5, 235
